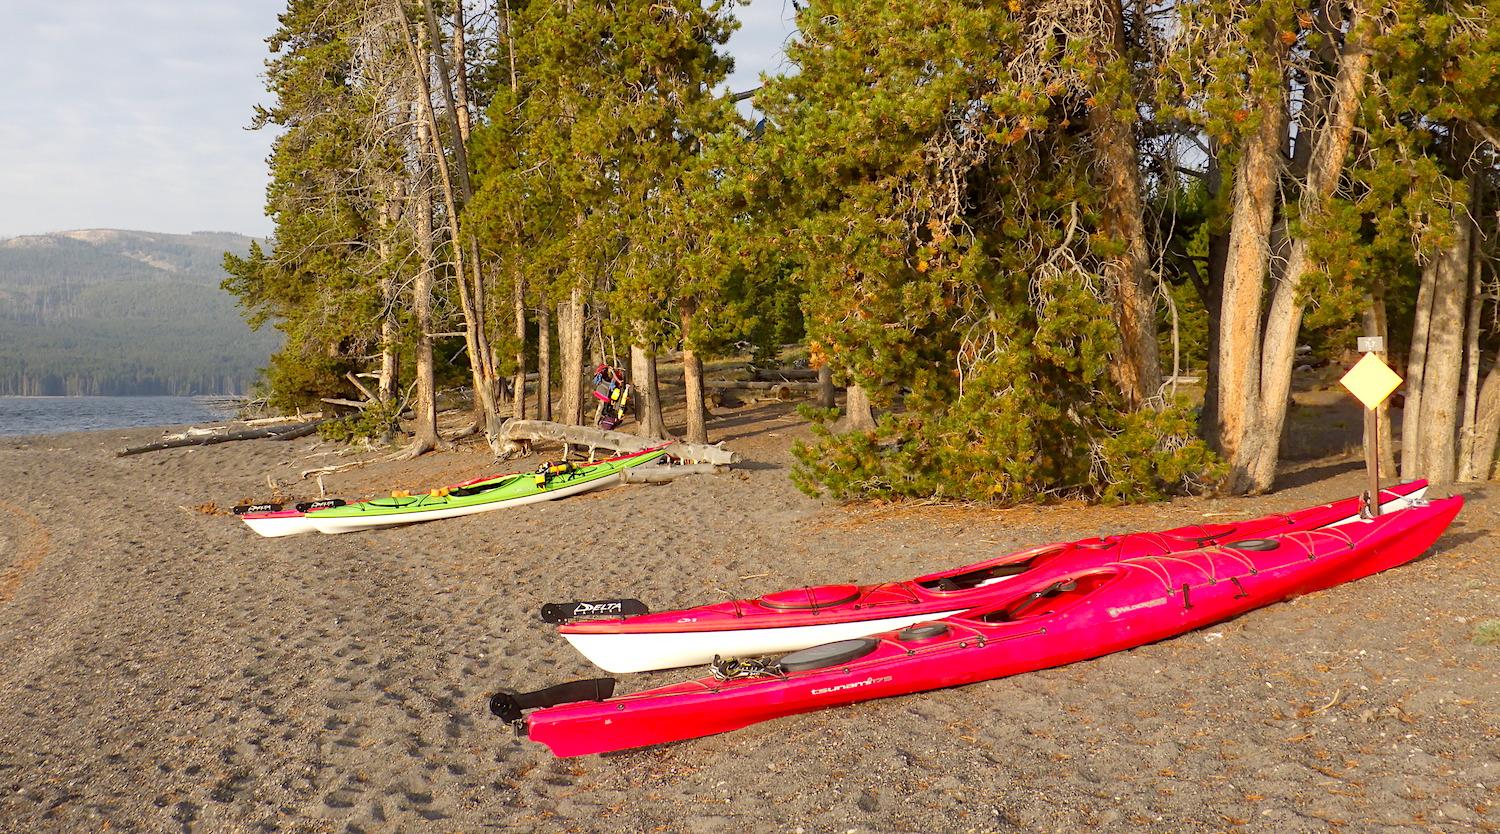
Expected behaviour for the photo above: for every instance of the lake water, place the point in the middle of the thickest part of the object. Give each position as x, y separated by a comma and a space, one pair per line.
54, 415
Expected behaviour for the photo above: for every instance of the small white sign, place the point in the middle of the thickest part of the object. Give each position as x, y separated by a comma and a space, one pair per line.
1370, 344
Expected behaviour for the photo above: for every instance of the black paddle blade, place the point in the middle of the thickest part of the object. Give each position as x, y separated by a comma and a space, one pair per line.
562, 612
323, 504
241, 509
510, 705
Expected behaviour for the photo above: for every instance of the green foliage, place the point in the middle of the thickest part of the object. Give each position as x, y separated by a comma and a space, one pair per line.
946, 234
1487, 633
332, 168
375, 422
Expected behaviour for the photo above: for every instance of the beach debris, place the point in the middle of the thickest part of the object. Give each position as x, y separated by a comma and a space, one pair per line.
663, 474
517, 433
208, 438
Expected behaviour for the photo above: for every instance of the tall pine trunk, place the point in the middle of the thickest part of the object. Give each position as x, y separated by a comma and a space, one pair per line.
1438, 418
1416, 364
544, 362
518, 308
1137, 368
1325, 165
647, 393
1238, 436
424, 432
570, 342
455, 189
692, 378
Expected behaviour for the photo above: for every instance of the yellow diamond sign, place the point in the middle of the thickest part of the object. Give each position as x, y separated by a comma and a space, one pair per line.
1371, 380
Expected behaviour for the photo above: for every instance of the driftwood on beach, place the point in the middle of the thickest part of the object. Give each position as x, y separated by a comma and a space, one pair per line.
517, 432
663, 474
268, 432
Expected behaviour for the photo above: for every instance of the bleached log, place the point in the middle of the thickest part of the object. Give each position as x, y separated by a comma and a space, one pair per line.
345, 403
269, 432
517, 432
273, 421
662, 474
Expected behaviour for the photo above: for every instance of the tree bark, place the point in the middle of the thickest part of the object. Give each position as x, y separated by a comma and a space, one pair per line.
1416, 364
481, 360
858, 415
1213, 305
424, 432
389, 327
1325, 165
1436, 454
648, 395
1468, 415
1137, 369
1481, 461
518, 304
570, 340
825, 387
692, 378
1254, 201
544, 361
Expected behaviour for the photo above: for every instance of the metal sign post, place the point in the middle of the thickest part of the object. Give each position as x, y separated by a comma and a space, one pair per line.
1371, 381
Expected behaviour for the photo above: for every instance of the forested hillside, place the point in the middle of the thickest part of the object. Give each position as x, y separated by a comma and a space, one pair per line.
116, 312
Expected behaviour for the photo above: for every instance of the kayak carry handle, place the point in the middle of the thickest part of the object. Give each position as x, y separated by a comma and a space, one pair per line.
562, 612
510, 705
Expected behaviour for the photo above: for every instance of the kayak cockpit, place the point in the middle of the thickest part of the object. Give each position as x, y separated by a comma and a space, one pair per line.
985, 573
1049, 599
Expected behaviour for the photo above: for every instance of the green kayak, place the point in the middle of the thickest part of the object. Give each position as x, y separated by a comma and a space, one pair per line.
551, 482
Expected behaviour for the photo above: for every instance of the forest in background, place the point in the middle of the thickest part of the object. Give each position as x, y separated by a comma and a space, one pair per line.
107, 312
1004, 227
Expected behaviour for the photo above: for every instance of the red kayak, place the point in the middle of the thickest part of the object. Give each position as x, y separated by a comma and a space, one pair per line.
801, 617
1037, 623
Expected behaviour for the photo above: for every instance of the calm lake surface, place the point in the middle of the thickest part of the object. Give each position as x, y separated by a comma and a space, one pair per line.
54, 415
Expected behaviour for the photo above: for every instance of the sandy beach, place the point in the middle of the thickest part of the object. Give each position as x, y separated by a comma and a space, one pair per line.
163, 669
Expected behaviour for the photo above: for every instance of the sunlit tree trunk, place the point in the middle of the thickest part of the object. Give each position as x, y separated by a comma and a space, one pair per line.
424, 432
1438, 418
1246, 264
518, 305
1325, 165
692, 377
858, 415
1416, 364
647, 393
570, 341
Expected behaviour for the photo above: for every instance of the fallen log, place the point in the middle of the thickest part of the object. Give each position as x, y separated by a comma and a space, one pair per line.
517, 432
347, 404
756, 385
270, 432
785, 374
663, 474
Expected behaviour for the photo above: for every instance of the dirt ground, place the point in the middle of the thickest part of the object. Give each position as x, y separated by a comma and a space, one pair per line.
163, 669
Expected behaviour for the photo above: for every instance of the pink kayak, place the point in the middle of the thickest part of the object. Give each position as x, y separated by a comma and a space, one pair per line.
800, 617
1037, 623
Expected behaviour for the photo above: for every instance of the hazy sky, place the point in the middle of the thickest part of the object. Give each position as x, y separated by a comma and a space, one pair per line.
132, 114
